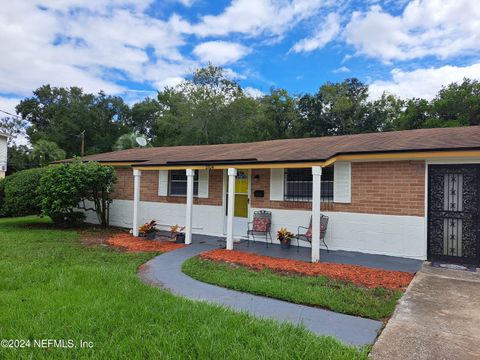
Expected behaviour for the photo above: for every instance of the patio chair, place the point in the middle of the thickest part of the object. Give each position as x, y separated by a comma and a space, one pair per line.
307, 235
261, 225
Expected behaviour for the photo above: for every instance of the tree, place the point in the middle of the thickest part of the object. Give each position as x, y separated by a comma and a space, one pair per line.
202, 110
61, 114
281, 113
456, 105
44, 152
143, 117
415, 114
67, 187
126, 141
19, 193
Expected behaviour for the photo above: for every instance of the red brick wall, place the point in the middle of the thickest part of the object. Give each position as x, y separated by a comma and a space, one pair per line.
390, 188
149, 188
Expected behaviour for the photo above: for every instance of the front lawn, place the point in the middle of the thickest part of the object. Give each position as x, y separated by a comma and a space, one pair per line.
54, 287
340, 296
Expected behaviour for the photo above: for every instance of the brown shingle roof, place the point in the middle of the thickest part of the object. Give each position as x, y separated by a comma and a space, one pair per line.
306, 149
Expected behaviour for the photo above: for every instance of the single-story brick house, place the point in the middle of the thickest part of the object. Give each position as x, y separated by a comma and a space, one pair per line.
412, 194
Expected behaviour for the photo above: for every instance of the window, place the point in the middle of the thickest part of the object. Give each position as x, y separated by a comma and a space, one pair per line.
177, 183
298, 184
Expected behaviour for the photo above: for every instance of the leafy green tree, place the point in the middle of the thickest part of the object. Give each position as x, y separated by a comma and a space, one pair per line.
44, 152
202, 110
143, 117
61, 114
456, 105
414, 115
19, 158
19, 194
281, 113
382, 114
66, 187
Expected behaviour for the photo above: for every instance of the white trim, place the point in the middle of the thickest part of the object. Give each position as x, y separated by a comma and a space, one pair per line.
277, 184
203, 181
316, 205
189, 206
232, 174
136, 201
342, 182
163, 179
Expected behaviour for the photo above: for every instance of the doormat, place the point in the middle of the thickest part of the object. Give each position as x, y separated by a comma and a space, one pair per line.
442, 265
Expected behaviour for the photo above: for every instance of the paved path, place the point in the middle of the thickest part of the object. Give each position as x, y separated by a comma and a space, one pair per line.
437, 318
165, 271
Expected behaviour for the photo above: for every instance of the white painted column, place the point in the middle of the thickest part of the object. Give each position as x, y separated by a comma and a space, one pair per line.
316, 200
136, 200
188, 221
232, 173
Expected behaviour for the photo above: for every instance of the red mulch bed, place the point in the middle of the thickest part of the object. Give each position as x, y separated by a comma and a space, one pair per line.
359, 275
134, 244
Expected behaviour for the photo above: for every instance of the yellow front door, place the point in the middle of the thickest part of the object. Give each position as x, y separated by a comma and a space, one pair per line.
241, 194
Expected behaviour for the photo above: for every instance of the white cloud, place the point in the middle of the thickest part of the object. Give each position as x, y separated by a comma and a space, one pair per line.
440, 28
8, 104
186, 3
220, 52
253, 92
423, 83
89, 43
341, 69
271, 17
325, 33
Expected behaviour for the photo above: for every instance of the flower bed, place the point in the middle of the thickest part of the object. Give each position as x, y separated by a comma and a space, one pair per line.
134, 244
358, 275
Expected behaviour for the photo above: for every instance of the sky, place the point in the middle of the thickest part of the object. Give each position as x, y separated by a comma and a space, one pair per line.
133, 48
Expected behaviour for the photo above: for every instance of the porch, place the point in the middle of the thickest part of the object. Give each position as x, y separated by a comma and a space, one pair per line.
304, 254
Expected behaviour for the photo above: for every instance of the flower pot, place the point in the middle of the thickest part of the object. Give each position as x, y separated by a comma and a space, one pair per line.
284, 244
180, 238
151, 235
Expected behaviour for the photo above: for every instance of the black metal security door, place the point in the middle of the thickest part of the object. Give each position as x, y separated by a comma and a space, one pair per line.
453, 213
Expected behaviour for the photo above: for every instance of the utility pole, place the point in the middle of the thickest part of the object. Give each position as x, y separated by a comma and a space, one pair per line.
82, 148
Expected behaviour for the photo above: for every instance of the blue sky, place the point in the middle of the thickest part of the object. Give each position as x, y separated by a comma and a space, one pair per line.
134, 47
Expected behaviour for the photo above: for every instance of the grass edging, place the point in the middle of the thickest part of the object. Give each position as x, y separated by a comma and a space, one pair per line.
319, 291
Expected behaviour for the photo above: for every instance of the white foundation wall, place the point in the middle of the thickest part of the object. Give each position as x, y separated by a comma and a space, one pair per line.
207, 219
393, 235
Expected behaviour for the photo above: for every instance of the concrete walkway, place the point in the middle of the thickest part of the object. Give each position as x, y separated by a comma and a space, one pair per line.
437, 318
165, 271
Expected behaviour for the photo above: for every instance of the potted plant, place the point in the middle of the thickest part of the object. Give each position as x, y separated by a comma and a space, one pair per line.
148, 230
285, 237
176, 233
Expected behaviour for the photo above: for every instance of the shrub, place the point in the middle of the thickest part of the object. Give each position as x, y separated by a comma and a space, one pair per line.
74, 218
67, 187
19, 193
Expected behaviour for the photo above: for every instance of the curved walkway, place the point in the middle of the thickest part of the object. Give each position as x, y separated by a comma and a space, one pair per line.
165, 271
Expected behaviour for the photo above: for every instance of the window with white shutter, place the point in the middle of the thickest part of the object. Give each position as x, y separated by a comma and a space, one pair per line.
276, 184
342, 182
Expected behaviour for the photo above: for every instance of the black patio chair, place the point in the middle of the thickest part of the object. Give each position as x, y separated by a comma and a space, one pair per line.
307, 235
261, 225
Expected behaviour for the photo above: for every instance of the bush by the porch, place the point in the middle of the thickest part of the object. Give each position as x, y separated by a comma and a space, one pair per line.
63, 187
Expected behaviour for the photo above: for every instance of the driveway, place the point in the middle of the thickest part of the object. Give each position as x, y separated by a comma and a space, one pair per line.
437, 318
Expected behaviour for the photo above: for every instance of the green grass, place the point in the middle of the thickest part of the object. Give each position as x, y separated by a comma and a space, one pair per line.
54, 287
319, 291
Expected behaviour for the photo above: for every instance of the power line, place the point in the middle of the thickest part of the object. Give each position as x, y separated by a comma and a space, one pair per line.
10, 114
